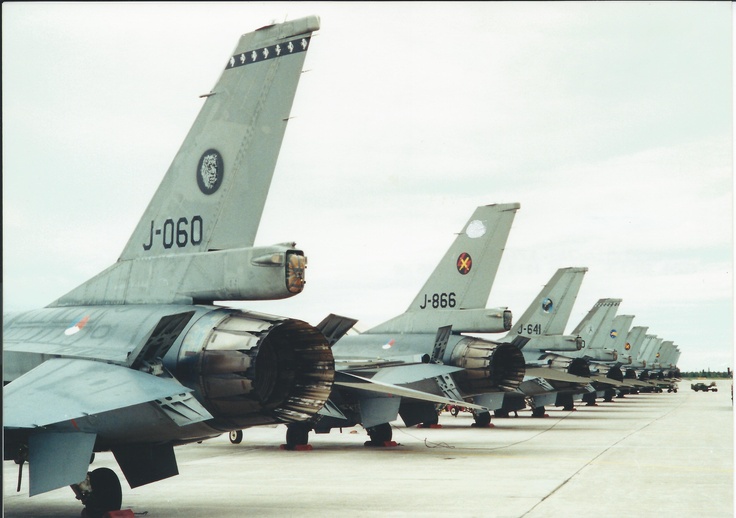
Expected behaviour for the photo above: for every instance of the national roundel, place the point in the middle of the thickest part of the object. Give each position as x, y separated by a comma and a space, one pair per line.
464, 263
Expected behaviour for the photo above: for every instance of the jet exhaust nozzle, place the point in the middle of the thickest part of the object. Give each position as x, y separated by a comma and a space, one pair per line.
256, 369
488, 366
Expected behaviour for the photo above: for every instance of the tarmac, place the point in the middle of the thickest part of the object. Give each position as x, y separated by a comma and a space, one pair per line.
665, 454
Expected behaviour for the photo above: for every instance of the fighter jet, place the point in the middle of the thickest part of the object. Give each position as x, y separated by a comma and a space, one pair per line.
424, 349
600, 351
633, 343
552, 378
138, 359
664, 373
614, 343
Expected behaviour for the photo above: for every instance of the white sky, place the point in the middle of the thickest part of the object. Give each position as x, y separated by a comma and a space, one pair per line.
611, 124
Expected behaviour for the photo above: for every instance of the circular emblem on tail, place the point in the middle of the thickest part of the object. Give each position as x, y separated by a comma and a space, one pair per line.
464, 263
547, 305
210, 171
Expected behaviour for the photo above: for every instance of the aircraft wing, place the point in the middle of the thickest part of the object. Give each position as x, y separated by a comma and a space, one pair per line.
352, 381
636, 383
607, 381
63, 389
554, 374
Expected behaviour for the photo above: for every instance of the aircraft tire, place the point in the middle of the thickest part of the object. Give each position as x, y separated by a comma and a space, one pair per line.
429, 423
538, 411
236, 436
297, 434
380, 434
106, 495
482, 419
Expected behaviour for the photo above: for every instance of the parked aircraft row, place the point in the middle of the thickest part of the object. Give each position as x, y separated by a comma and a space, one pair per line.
140, 359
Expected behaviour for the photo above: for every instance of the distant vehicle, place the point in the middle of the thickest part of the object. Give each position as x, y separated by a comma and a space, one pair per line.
705, 388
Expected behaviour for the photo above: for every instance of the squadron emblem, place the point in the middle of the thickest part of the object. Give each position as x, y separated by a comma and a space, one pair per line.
547, 305
464, 263
210, 171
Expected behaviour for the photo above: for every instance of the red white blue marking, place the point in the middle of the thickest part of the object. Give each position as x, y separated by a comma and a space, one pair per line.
76, 326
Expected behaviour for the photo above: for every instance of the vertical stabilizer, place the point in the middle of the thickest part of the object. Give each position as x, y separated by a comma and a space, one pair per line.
634, 340
619, 334
596, 324
469, 266
460, 284
195, 239
650, 342
213, 194
550, 310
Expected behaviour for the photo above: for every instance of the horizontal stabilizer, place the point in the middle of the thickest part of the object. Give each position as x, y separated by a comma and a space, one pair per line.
369, 364
405, 374
603, 380
554, 374
63, 389
352, 381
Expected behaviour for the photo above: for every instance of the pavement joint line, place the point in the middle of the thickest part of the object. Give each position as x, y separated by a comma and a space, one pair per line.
588, 463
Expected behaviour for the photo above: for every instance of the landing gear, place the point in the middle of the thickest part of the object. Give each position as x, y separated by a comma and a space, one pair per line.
482, 420
236, 436
589, 399
380, 435
297, 436
100, 492
433, 422
538, 411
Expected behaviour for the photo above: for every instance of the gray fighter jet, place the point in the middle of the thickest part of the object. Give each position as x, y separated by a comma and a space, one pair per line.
552, 377
633, 343
390, 369
138, 359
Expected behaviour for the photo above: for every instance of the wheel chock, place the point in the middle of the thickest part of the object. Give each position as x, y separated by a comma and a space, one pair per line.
298, 447
123, 513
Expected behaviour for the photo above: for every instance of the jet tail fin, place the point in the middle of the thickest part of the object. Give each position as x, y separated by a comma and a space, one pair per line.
457, 291
195, 239
549, 312
213, 194
597, 323
469, 266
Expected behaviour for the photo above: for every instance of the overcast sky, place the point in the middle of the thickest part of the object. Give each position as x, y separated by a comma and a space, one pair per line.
611, 124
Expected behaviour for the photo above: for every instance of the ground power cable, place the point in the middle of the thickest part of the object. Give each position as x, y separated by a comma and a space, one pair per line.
432, 444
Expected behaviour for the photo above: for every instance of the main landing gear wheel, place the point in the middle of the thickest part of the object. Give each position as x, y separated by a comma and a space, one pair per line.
482, 420
379, 434
429, 423
236, 436
105, 493
538, 411
297, 435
